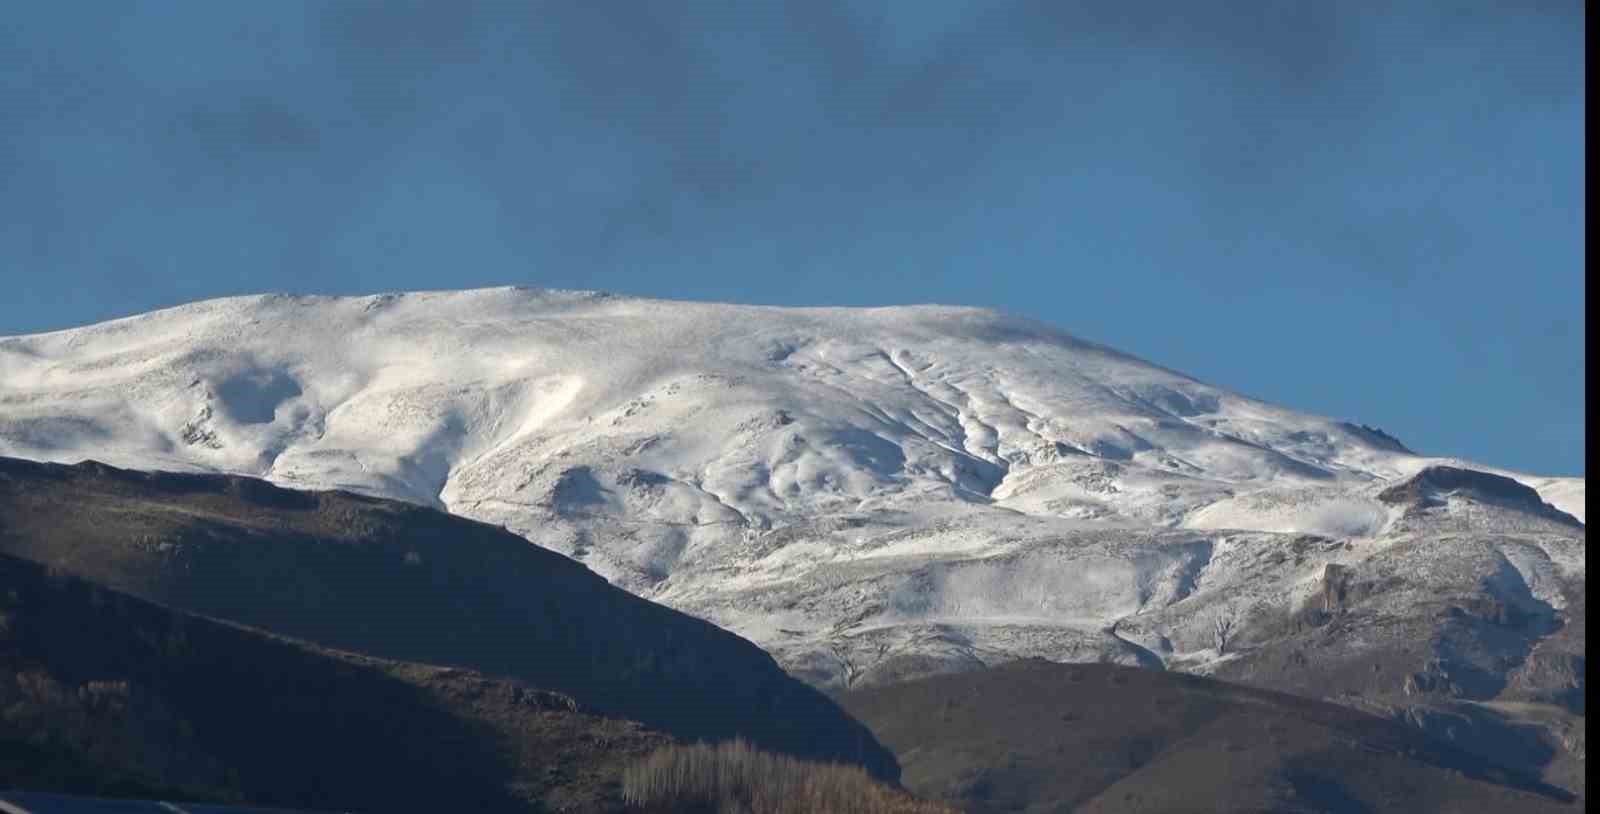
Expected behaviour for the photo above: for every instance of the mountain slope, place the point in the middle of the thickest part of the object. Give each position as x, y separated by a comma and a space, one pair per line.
868, 494
104, 693
403, 582
1035, 736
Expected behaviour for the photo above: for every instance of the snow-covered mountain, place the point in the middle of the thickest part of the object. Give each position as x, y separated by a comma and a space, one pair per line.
867, 493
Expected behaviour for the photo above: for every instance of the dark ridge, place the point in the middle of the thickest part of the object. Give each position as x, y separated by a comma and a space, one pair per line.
1034, 735
108, 695
1427, 487
253, 491
1376, 437
409, 583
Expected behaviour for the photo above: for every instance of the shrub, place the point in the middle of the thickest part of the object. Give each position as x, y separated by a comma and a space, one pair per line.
736, 778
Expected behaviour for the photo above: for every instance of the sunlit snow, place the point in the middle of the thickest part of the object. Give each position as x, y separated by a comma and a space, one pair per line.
839, 485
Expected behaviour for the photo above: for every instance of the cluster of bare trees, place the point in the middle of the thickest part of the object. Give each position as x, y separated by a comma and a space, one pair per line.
736, 777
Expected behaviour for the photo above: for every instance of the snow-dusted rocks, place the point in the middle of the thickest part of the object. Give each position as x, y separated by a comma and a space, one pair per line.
867, 493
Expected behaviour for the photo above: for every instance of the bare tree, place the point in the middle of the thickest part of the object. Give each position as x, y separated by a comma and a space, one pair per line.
1222, 622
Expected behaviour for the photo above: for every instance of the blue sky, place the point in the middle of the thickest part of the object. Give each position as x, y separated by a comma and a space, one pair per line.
1369, 211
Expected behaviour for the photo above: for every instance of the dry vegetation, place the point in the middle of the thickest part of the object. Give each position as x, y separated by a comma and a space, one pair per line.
735, 778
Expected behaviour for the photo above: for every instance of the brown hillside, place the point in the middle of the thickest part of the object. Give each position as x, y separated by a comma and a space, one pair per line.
1036, 736
402, 582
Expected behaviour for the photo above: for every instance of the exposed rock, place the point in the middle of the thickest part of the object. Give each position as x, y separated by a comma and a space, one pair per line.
1428, 487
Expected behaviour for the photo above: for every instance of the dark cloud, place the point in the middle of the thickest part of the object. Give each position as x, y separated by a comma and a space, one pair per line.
988, 152
245, 130
650, 121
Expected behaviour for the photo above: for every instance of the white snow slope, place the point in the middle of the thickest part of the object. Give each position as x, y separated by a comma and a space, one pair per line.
843, 486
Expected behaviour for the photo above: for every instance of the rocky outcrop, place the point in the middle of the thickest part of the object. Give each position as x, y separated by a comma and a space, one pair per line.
1334, 586
1428, 487
1553, 673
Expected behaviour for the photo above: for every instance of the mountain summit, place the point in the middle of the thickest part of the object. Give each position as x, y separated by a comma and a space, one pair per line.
869, 494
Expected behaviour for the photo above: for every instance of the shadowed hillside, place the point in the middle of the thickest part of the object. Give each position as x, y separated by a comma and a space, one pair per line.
1037, 736
403, 582
105, 694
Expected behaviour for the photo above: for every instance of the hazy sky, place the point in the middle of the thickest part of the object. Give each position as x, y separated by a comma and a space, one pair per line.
1372, 211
